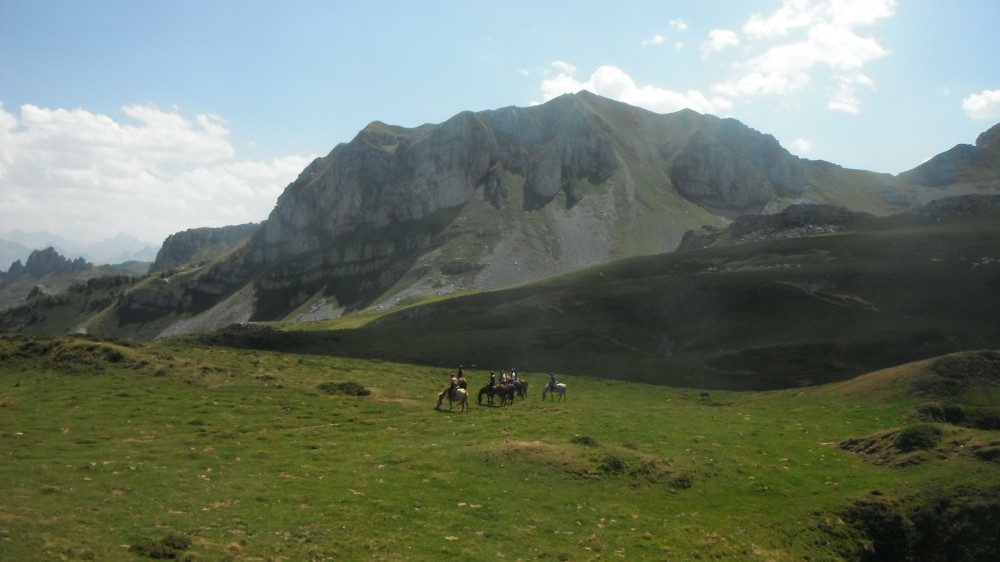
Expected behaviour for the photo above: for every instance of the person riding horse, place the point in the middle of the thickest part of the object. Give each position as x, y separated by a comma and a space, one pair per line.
448, 392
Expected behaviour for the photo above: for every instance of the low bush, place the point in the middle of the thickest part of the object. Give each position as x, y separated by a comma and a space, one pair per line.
349, 388
921, 437
169, 547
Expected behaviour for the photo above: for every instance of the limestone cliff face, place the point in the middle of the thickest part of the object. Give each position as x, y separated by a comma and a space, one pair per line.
728, 167
389, 175
592, 176
200, 244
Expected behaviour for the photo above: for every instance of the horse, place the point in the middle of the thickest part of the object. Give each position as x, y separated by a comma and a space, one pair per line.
460, 395
521, 386
559, 388
506, 393
490, 392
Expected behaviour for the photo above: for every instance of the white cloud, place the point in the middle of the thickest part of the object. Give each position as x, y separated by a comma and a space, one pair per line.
798, 14
982, 106
800, 147
612, 82
845, 95
150, 173
678, 25
654, 40
719, 40
815, 36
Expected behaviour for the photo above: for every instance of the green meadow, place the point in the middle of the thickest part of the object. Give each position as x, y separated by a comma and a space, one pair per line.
187, 451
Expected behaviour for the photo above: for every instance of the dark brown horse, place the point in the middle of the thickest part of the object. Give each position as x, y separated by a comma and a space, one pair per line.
521, 386
504, 391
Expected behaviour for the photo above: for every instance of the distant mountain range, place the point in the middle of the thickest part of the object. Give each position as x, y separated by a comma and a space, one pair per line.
496, 198
18, 245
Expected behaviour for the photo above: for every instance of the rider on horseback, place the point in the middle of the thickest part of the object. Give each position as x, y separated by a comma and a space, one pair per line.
450, 391
552, 382
493, 379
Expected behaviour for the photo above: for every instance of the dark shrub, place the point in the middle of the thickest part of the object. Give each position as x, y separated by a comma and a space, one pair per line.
166, 548
921, 437
349, 388
584, 440
959, 525
612, 466
891, 533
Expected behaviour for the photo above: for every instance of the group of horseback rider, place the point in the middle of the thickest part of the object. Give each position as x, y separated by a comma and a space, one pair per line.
458, 381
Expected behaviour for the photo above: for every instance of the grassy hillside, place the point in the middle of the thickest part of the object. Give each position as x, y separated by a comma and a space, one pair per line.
764, 315
113, 452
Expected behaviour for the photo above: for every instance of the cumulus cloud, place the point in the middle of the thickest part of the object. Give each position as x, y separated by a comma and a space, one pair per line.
804, 38
612, 82
801, 147
803, 14
149, 172
678, 25
982, 106
654, 40
719, 40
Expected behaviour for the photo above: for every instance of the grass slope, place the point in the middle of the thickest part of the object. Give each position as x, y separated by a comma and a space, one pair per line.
114, 452
764, 315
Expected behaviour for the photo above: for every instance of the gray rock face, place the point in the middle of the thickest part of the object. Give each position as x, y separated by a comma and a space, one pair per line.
200, 243
733, 169
365, 213
148, 303
48, 261
792, 222
963, 163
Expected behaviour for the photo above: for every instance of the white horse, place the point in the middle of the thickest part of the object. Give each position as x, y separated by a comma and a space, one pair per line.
460, 395
559, 388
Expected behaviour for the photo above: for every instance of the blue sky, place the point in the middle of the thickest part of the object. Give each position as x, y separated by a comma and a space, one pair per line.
152, 117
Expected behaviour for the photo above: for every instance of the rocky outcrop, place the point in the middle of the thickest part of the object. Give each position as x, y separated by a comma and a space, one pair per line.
795, 216
961, 206
964, 163
201, 244
793, 222
150, 302
46, 262
725, 166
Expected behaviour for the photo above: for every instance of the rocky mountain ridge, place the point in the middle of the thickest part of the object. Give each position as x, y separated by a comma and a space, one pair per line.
494, 198
498, 197
18, 245
44, 262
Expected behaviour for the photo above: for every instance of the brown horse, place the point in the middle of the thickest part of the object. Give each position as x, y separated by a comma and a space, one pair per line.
504, 391
490, 392
521, 386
